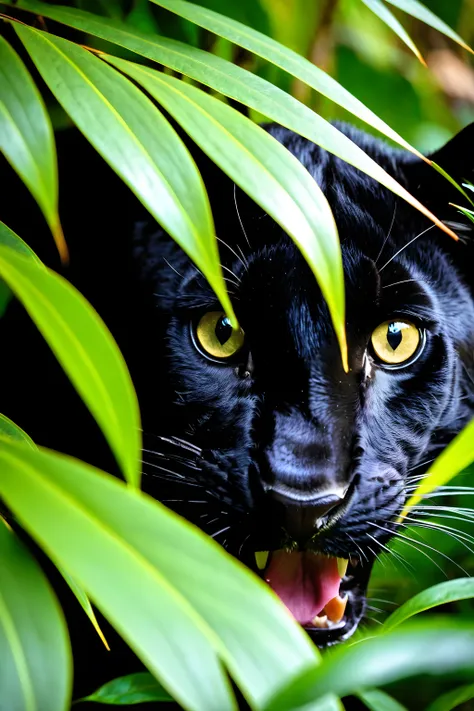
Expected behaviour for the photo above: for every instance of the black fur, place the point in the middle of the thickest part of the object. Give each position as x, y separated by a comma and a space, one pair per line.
283, 415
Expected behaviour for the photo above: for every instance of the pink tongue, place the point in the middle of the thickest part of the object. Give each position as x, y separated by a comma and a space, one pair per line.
305, 582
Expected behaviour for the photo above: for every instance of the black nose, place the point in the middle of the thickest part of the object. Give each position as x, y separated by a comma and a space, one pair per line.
302, 514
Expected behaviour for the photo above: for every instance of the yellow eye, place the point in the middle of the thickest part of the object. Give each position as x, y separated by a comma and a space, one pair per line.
395, 342
217, 337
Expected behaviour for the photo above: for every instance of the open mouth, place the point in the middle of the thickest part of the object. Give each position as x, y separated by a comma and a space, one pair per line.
326, 595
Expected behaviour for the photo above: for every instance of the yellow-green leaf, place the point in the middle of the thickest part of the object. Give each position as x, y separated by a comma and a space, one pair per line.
382, 11
85, 349
26, 137
137, 141
451, 461
35, 654
264, 169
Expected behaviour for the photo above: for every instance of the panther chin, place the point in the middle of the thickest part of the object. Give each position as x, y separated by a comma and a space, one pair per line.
325, 594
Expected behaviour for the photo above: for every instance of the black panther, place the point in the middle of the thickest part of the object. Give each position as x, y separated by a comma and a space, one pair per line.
257, 434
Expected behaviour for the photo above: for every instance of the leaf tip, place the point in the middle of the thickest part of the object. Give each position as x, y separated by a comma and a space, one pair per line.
58, 236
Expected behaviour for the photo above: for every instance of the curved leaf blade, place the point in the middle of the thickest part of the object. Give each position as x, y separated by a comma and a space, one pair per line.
421, 12
31, 621
440, 647
281, 56
26, 138
81, 596
382, 11
11, 239
137, 141
452, 699
132, 689
265, 170
233, 602
138, 600
9, 429
233, 81
456, 457
86, 350
378, 700
448, 591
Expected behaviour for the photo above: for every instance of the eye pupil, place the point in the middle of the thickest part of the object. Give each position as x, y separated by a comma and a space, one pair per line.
223, 330
394, 335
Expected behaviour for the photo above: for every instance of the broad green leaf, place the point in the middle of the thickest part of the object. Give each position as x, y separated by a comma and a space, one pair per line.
131, 689
382, 11
421, 12
86, 351
230, 80
435, 647
452, 699
137, 141
138, 599
134, 553
450, 462
264, 169
448, 591
9, 429
266, 47
36, 664
26, 138
378, 700
11, 239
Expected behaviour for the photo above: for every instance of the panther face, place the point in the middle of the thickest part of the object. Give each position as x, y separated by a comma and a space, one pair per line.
258, 436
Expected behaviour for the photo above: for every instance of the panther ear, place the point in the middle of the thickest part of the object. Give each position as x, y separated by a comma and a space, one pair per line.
456, 158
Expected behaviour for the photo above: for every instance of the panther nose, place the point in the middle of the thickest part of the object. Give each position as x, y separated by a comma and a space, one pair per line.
302, 513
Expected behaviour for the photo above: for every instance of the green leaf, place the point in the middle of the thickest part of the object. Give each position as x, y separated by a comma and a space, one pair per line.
264, 169
131, 689
81, 596
140, 563
26, 138
464, 211
433, 647
453, 182
378, 700
452, 699
11, 239
86, 351
9, 429
416, 9
378, 7
36, 664
448, 591
137, 141
282, 57
233, 81
450, 462
143, 605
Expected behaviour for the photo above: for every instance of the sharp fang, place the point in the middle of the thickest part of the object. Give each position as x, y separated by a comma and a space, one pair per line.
320, 622
261, 558
336, 608
342, 564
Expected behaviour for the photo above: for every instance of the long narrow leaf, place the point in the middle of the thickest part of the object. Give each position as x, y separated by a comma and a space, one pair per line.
128, 544
451, 461
285, 58
262, 167
230, 80
26, 137
441, 594
136, 597
452, 699
421, 12
440, 647
36, 665
9, 429
85, 349
382, 11
8, 238
137, 141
